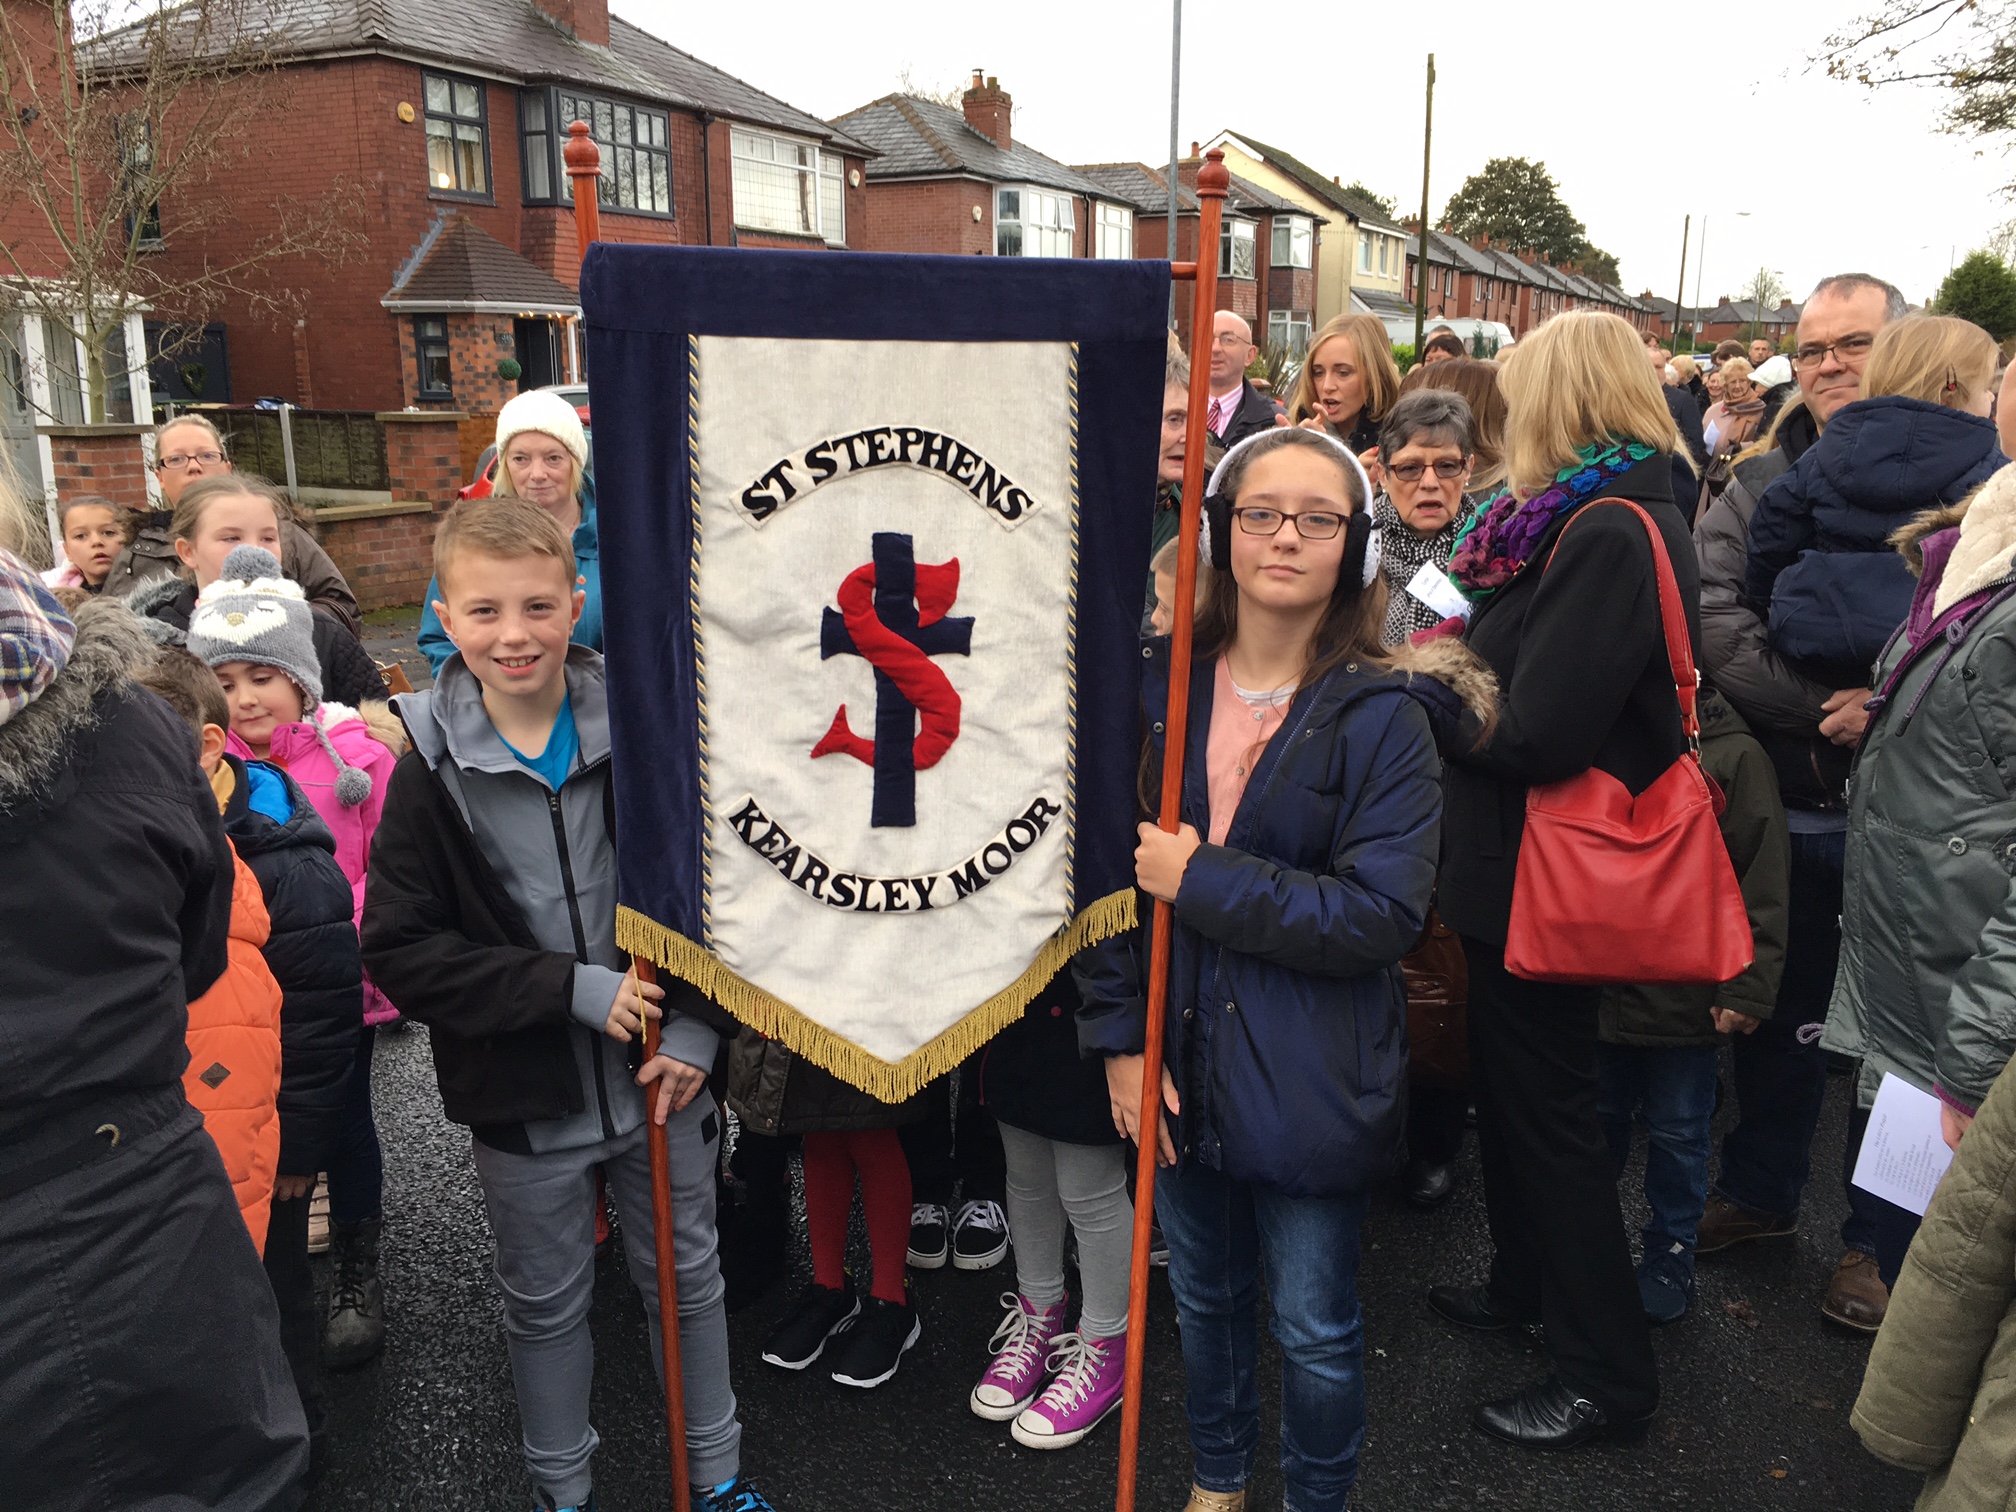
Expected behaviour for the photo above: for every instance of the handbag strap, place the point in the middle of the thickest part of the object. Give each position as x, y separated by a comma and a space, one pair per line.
1679, 651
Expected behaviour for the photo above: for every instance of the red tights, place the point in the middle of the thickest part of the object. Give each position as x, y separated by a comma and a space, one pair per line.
831, 1159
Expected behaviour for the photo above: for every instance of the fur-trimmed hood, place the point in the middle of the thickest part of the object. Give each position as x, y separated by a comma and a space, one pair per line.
1465, 718
1965, 547
36, 743
162, 606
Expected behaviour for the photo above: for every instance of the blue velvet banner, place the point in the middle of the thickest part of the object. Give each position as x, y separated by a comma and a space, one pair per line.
651, 313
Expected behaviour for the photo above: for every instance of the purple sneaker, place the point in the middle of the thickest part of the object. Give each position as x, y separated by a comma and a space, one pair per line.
1020, 1343
1090, 1376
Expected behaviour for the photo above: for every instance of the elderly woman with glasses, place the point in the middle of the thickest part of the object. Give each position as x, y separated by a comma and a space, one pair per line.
188, 449
1427, 444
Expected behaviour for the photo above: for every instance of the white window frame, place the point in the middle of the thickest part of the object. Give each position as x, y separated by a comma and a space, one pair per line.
1364, 252
1299, 234
1385, 246
1113, 231
1289, 329
818, 195
1040, 222
1234, 237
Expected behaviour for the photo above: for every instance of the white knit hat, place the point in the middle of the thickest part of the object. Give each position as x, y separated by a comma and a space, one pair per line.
548, 413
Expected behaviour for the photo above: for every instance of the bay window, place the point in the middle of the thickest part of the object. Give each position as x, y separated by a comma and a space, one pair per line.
1032, 223
1236, 251
788, 186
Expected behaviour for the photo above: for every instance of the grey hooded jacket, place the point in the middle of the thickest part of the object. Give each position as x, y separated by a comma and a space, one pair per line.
1927, 982
557, 861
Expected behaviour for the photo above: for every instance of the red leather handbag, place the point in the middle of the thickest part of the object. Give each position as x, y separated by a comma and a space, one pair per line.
1615, 889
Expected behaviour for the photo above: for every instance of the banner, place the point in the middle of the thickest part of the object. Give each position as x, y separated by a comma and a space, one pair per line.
874, 535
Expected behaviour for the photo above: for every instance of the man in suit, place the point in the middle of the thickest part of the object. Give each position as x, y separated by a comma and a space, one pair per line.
1238, 409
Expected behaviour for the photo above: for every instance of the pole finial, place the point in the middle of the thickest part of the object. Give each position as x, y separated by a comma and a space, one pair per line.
1214, 178
581, 153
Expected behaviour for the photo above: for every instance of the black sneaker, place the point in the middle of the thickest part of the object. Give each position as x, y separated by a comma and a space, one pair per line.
875, 1343
979, 1236
930, 1236
820, 1313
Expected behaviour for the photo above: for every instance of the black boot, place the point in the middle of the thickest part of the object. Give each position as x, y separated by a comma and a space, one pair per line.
355, 1330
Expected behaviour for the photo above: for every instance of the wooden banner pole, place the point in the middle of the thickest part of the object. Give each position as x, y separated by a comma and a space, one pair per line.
584, 167
1212, 182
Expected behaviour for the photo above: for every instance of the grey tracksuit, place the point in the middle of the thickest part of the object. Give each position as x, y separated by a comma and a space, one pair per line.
555, 857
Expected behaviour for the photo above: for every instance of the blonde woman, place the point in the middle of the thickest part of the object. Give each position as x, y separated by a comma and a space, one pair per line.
1577, 646
1347, 383
1732, 421
1821, 570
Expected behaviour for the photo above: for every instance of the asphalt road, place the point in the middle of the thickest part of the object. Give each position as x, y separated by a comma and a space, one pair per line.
1756, 1385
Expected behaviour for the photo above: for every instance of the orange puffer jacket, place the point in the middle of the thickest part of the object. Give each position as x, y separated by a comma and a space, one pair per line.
233, 1077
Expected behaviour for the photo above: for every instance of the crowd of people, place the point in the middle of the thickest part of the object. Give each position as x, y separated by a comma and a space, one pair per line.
1425, 604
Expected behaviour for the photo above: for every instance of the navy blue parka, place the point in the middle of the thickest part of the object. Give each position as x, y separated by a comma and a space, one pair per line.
1286, 1029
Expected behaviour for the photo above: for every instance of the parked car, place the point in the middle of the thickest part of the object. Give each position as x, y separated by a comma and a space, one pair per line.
485, 482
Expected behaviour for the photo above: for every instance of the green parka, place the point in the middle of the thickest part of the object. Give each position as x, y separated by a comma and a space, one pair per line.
1940, 1392
1753, 827
1927, 983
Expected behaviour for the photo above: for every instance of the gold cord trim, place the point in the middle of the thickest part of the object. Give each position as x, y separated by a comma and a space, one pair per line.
888, 1081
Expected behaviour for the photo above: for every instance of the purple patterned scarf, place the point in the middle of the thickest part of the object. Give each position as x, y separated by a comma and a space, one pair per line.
1500, 537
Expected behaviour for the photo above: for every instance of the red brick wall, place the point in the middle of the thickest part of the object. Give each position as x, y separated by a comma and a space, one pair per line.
386, 559
424, 457
933, 215
99, 460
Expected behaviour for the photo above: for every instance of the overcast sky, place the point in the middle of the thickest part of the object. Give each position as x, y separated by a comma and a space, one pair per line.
1832, 174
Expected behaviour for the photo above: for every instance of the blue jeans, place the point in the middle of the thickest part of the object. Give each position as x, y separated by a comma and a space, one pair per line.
1781, 1071
356, 1165
1220, 1232
1675, 1090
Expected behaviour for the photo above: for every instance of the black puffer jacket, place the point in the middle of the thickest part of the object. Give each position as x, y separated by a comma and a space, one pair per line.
115, 884
349, 676
313, 955
1033, 1078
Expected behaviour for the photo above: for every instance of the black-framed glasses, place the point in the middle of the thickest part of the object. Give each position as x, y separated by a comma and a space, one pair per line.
183, 459
1850, 349
1445, 467
1310, 524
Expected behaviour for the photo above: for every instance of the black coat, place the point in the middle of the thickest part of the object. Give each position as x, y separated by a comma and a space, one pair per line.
349, 676
1583, 681
312, 952
1033, 1078
447, 944
1680, 403
1255, 414
115, 884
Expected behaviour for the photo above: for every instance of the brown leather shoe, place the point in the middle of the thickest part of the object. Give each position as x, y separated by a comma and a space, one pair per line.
1216, 1501
1725, 1223
1856, 1296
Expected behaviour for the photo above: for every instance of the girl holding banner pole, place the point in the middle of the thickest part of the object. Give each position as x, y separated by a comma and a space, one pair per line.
1300, 876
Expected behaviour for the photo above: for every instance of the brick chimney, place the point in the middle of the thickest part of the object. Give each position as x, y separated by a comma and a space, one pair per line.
585, 19
988, 108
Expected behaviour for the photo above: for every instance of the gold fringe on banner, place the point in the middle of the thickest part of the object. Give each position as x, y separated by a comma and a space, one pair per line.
890, 1081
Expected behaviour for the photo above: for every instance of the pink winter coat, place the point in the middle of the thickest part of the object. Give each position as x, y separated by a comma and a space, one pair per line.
367, 740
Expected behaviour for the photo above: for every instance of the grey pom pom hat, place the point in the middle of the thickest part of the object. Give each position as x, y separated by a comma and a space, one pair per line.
254, 614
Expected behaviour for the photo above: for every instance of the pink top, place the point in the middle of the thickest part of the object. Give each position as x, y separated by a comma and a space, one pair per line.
1242, 723
295, 749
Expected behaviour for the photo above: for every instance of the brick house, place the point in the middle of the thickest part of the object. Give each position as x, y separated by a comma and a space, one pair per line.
448, 119
957, 182
1267, 246
1740, 320
1360, 253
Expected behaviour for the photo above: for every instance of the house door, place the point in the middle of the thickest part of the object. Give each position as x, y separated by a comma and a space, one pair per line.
539, 354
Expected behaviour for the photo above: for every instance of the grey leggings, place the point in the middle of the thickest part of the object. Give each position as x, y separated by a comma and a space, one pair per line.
1048, 1181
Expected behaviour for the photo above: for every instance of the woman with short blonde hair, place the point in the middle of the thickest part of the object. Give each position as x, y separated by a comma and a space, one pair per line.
1348, 381
1568, 620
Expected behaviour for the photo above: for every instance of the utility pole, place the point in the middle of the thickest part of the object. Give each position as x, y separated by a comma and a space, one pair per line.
1421, 257
1700, 266
1680, 298
1175, 90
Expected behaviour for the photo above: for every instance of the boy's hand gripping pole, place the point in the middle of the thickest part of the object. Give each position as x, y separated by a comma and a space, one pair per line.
1212, 182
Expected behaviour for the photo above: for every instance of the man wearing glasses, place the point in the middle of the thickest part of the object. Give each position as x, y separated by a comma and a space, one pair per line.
1238, 409
189, 448
1810, 732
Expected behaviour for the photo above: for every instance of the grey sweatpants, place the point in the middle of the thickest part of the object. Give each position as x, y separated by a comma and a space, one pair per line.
1048, 1181
542, 1216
